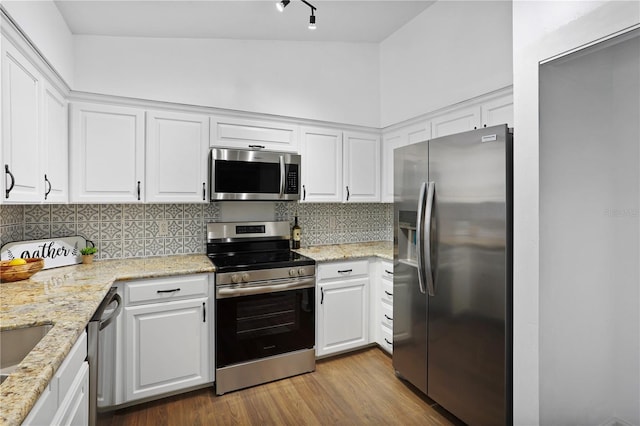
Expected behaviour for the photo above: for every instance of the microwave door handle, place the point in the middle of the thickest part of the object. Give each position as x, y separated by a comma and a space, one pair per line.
282, 177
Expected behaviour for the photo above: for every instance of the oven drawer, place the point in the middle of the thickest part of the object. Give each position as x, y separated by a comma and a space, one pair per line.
163, 289
333, 270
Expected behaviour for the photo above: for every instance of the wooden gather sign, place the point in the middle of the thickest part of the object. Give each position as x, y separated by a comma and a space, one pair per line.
56, 252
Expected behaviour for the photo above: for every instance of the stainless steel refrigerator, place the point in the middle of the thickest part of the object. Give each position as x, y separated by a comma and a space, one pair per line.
452, 308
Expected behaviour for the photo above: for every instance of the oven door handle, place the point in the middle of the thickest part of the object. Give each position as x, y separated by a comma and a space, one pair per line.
224, 292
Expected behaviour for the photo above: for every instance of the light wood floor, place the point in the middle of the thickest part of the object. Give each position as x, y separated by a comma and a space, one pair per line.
355, 389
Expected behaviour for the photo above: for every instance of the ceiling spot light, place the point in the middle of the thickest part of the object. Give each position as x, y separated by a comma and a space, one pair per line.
312, 21
282, 4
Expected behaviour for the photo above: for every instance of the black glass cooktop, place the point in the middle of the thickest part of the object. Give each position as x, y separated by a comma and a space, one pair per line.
246, 261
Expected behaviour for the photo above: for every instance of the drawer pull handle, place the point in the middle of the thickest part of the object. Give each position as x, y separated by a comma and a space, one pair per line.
388, 294
204, 312
387, 317
322, 298
257, 146
345, 271
388, 342
388, 272
173, 290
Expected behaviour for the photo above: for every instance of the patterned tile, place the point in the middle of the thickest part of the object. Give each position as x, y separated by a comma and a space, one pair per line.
193, 245
211, 212
110, 212
173, 246
63, 213
37, 231
11, 215
63, 229
174, 211
89, 230
88, 213
37, 214
133, 230
194, 227
154, 211
193, 211
133, 248
133, 212
175, 228
110, 249
154, 247
110, 230
151, 229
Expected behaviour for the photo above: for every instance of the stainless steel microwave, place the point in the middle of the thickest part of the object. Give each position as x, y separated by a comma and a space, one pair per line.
236, 174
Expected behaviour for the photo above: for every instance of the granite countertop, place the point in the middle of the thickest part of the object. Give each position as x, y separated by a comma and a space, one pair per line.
328, 253
67, 297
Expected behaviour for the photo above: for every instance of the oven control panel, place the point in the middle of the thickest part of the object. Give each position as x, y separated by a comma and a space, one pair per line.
265, 275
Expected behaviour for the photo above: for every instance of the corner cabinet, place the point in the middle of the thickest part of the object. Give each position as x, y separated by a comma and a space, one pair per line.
106, 153
339, 166
342, 302
176, 157
167, 335
34, 132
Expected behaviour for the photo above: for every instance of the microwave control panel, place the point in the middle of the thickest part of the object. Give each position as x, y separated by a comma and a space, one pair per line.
292, 179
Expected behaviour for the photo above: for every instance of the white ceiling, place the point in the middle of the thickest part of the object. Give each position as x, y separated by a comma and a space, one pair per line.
342, 21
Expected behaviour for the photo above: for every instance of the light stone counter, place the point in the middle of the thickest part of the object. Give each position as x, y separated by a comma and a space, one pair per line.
328, 253
67, 297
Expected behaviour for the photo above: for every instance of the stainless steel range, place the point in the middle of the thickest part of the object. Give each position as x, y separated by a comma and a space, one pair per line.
265, 304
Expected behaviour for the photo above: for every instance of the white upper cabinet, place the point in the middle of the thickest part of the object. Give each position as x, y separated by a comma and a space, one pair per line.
253, 134
398, 138
107, 154
361, 167
21, 145
498, 111
321, 151
55, 146
457, 121
176, 157
34, 133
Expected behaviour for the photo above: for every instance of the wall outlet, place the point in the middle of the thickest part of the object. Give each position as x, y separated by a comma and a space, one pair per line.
332, 223
163, 228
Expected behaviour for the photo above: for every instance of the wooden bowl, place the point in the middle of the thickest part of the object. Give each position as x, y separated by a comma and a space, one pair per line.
10, 273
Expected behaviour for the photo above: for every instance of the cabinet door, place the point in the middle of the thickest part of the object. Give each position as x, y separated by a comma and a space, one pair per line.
253, 134
361, 167
457, 121
74, 408
176, 161
321, 165
55, 145
107, 153
21, 127
498, 111
166, 347
343, 312
411, 134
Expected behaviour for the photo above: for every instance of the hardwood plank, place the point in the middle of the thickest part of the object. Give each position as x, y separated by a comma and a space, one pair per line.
353, 389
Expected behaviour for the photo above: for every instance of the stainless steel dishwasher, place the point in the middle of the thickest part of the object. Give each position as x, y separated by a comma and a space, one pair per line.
98, 323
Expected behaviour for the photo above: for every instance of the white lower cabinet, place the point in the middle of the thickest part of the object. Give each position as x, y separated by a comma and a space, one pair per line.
167, 335
384, 302
65, 401
342, 302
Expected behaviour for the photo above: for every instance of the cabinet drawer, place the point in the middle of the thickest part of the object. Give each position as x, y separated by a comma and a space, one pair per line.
328, 271
386, 270
162, 289
386, 339
386, 315
386, 293
67, 372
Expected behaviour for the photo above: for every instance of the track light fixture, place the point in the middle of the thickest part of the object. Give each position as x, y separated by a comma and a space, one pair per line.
282, 4
312, 19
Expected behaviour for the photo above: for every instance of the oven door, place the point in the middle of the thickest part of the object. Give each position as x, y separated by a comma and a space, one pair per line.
260, 320
253, 175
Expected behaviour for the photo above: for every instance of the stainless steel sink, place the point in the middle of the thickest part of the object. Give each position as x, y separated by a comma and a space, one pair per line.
15, 344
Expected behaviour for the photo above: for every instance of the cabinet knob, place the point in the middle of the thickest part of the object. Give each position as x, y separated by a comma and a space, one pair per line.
245, 277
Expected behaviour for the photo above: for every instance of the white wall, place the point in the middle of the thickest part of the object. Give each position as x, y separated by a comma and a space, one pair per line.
46, 28
451, 52
589, 236
316, 80
541, 30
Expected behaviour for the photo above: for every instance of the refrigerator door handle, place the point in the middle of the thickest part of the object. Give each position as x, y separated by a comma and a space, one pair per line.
419, 238
431, 191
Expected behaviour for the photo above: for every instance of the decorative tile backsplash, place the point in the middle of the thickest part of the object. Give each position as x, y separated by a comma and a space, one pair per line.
143, 230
